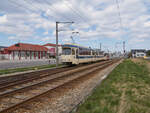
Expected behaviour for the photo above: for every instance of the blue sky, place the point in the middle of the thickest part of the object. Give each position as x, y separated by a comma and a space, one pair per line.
97, 21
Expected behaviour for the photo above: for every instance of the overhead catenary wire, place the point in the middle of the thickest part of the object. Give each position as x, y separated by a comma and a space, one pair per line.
121, 25
119, 13
20, 6
53, 9
33, 9
26, 9
76, 12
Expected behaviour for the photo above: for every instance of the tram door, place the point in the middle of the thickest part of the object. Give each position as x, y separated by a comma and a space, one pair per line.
77, 53
73, 51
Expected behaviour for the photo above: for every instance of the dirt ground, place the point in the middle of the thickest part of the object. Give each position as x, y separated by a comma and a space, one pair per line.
142, 61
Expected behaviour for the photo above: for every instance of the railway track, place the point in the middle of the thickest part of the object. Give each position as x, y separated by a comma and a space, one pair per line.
14, 78
28, 77
13, 96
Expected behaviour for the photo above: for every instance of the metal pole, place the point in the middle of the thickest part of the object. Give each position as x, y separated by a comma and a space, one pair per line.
100, 46
124, 47
57, 57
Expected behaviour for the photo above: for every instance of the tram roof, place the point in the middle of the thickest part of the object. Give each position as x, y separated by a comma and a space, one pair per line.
74, 46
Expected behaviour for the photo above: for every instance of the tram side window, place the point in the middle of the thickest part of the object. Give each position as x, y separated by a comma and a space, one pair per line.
84, 52
73, 52
77, 52
66, 51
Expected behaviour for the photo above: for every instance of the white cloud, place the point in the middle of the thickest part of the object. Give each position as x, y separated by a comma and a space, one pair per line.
12, 38
136, 40
147, 24
94, 19
45, 33
47, 39
3, 19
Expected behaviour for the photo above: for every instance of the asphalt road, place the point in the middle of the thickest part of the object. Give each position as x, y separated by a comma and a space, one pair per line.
23, 63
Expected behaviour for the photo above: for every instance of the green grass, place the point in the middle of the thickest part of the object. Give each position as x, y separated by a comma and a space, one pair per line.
126, 90
8, 71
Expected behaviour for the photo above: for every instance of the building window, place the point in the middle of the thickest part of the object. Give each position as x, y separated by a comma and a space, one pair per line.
28, 53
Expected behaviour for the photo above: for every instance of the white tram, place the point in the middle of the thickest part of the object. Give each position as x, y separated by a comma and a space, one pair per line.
75, 54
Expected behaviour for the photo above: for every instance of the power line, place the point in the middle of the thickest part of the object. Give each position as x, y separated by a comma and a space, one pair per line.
34, 7
53, 9
73, 10
31, 1
121, 25
76, 12
119, 14
26, 9
20, 6
57, 30
30, 4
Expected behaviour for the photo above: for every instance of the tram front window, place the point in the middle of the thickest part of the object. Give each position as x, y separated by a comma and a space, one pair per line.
66, 51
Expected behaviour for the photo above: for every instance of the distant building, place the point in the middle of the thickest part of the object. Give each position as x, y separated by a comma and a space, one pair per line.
22, 51
2, 49
138, 53
52, 49
3, 53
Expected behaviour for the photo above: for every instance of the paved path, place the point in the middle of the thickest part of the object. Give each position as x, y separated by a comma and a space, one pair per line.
24, 63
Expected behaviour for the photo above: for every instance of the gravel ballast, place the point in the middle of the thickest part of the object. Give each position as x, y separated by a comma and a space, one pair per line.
69, 101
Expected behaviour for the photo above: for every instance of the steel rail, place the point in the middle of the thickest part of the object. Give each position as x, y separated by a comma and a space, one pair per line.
34, 77
44, 82
13, 78
13, 107
29, 75
37, 78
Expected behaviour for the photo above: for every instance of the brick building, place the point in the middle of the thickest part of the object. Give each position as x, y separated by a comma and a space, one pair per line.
2, 49
52, 49
22, 51
3, 53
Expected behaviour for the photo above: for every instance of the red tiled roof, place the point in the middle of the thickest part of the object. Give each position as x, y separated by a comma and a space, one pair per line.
49, 44
27, 47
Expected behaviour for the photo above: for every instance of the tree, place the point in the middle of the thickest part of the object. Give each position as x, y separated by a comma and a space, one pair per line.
148, 52
129, 55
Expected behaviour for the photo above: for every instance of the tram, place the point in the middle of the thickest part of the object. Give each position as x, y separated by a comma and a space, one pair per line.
76, 54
